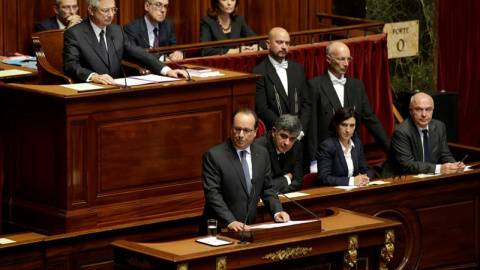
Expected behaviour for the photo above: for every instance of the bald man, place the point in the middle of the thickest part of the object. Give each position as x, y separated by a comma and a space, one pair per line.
333, 90
419, 144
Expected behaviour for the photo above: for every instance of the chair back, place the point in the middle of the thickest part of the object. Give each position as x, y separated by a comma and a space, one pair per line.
48, 47
261, 129
309, 180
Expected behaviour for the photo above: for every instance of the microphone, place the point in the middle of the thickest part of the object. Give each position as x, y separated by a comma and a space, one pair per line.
242, 239
299, 205
168, 57
120, 61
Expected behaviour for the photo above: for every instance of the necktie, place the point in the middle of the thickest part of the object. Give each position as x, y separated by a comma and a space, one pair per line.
340, 81
103, 45
427, 157
156, 41
246, 171
283, 65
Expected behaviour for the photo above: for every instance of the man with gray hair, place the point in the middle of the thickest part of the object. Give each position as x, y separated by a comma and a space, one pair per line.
285, 153
65, 16
91, 47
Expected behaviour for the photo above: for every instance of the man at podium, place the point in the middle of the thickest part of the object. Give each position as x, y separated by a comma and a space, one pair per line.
235, 175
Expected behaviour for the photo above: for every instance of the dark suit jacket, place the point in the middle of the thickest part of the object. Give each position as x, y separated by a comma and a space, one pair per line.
325, 102
47, 24
406, 151
138, 27
82, 54
265, 100
210, 30
332, 167
226, 197
292, 164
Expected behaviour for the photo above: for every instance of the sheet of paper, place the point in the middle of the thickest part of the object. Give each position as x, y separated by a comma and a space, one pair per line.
277, 225
295, 194
378, 182
4, 241
12, 72
424, 175
80, 87
152, 78
211, 241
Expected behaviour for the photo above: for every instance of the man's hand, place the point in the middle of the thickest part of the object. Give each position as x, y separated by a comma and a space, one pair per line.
176, 55
103, 79
237, 226
460, 166
175, 73
361, 180
448, 168
282, 217
72, 20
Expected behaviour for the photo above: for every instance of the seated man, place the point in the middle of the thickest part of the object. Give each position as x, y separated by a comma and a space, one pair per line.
419, 144
153, 28
65, 16
90, 48
285, 153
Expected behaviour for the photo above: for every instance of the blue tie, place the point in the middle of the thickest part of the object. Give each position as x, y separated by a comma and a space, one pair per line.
427, 157
246, 171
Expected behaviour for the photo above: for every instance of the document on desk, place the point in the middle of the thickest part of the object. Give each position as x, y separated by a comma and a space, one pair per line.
277, 225
12, 72
295, 194
145, 79
81, 87
4, 241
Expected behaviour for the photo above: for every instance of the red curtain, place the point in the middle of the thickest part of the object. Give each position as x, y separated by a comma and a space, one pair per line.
370, 65
459, 60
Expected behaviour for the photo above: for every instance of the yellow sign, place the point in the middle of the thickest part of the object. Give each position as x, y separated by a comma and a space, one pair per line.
402, 39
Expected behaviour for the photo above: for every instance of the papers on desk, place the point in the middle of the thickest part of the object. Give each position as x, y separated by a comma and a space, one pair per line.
82, 87
294, 194
30, 62
277, 225
4, 241
12, 72
372, 183
425, 175
214, 241
144, 79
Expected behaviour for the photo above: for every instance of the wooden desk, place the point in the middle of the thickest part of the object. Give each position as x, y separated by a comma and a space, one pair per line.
345, 233
77, 161
31, 78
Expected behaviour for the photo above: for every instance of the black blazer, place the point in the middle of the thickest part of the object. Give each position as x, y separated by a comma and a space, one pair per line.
210, 30
137, 29
406, 150
325, 102
226, 196
298, 101
82, 54
292, 164
47, 24
332, 167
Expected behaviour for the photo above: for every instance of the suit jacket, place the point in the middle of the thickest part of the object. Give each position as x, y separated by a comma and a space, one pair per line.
47, 24
292, 164
137, 29
265, 99
210, 30
226, 196
82, 54
325, 102
332, 166
406, 150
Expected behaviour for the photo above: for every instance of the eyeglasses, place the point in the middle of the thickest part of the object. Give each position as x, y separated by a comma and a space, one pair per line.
420, 110
68, 8
343, 59
107, 10
246, 131
159, 6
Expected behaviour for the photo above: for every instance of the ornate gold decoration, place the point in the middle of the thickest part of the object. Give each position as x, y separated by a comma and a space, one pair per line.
386, 252
288, 253
141, 264
182, 266
222, 263
350, 256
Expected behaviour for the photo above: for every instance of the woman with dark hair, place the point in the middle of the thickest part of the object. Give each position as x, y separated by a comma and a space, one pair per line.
340, 158
222, 23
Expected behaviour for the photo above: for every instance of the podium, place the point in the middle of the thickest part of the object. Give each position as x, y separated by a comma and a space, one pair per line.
349, 239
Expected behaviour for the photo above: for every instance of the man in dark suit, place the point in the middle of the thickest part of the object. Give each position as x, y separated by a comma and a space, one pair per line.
285, 153
235, 174
89, 52
333, 90
154, 27
65, 16
419, 144
282, 89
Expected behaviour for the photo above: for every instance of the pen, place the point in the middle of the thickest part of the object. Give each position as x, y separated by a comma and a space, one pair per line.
463, 159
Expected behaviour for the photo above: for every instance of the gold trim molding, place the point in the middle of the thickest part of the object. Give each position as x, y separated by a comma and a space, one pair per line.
182, 266
386, 252
288, 253
221, 263
350, 256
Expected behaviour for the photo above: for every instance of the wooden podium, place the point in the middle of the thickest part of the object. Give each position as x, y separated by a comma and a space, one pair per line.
349, 240
77, 161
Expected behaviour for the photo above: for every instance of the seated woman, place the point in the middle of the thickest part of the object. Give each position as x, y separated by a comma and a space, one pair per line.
340, 158
222, 23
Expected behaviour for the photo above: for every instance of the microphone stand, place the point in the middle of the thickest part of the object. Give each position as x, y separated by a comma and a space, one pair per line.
299, 205
126, 87
189, 79
242, 238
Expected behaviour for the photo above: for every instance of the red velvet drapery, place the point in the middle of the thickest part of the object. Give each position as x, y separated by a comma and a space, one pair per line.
459, 62
370, 65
